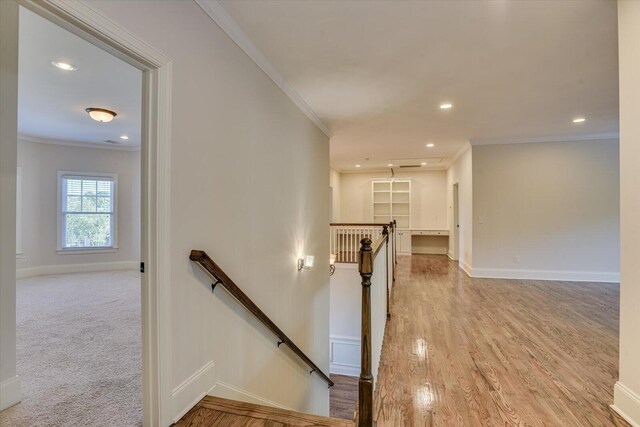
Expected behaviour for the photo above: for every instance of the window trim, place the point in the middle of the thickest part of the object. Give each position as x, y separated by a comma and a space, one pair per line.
60, 249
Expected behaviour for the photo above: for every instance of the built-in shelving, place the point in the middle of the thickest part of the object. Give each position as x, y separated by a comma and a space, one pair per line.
391, 200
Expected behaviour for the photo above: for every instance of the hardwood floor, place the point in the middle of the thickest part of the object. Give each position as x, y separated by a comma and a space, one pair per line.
215, 411
487, 352
343, 396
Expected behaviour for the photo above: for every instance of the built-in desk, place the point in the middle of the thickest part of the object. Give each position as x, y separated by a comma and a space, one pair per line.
422, 241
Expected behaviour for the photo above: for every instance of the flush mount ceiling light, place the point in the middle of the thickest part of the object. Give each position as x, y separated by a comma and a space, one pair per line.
390, 164
100, 114
423, 163
430, 145
64, 65
125, 137
357, 166
445, 106
579, 120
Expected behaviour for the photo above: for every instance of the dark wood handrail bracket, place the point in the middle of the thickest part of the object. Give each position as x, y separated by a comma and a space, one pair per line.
221, 277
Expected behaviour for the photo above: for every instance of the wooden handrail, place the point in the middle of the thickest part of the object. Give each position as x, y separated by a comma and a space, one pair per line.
356, 224
367, 255
221, 277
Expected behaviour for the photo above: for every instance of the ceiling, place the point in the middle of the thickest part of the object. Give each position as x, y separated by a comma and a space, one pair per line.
52, 102
375, 72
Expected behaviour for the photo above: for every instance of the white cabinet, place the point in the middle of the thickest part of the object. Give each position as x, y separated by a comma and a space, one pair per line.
404, 242
391, 200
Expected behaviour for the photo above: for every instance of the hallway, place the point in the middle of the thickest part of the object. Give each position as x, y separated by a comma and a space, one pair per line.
472, 352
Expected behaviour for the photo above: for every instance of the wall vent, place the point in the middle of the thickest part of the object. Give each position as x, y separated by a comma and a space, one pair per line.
111, 141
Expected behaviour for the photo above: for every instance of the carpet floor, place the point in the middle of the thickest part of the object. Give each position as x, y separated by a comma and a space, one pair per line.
79, 351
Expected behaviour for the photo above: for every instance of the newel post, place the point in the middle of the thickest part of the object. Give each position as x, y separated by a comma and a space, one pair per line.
365, 383
385, 232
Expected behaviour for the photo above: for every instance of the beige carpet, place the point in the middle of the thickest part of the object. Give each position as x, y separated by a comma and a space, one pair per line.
79, 351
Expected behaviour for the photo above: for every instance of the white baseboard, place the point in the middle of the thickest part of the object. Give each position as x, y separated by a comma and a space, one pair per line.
76, 268
228, 391
192, 390
10, 392
626, 404
568, 276
466, 267
451, 256
344, 355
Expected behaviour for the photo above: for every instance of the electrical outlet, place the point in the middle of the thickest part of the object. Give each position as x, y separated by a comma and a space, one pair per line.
516, 259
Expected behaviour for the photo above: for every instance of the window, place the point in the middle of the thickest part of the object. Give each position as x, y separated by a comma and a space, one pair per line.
87, 213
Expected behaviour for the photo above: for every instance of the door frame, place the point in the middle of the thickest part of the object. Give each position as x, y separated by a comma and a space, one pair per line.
455, 254
84, 21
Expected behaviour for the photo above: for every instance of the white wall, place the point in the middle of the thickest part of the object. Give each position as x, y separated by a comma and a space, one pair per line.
555, 206
10, 387
460, 172
627, 390
40, 164
334, 183
249, 174
346, 302
428, 197
248, 183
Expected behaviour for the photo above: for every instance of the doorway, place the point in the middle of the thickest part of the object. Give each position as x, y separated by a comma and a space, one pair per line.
456, 223
81, 20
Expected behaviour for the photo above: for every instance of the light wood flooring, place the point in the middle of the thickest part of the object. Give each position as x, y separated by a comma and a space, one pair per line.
215, 411
487, 352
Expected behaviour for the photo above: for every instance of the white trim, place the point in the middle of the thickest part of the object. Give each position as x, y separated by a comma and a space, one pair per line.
77, 144
10, 392
450, 161
562, 275
341, 367
450, 255
626, 404
222, 18
188, 393
228, 391
81, 19
465, 267
44, 270
87, 250
554, 138
61, 249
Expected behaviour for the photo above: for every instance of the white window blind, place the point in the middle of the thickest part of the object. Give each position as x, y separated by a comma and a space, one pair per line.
87, 211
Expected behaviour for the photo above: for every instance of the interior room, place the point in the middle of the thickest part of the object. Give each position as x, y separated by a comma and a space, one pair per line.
77, 232
336, 213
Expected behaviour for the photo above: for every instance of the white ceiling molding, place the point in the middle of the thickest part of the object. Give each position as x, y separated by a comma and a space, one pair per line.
566, 138
451, 160
220, 16
95, 145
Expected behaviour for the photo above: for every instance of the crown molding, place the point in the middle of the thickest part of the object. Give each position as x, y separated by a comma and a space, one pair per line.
451, 160
79, 144
555, 138
222, 18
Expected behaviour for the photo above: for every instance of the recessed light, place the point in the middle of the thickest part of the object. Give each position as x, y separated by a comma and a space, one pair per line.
64, 66
125, 137
101, 114
389, 164
430, 145
423, 163
357, 166
579, 120
445, 106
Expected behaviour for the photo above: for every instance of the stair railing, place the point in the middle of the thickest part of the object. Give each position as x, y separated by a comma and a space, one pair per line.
374, 260
207, 264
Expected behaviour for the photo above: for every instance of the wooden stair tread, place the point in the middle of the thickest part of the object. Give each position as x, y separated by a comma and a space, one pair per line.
212, 411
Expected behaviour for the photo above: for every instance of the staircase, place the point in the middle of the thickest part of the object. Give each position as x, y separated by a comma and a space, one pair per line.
216, 411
